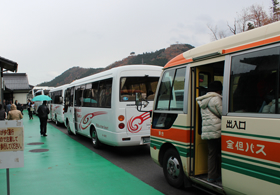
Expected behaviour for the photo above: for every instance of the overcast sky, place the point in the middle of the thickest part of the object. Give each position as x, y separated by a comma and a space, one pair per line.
47, 37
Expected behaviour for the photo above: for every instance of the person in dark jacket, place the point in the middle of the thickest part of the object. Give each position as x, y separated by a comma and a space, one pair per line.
43, 112
4, 105
2, 113
29, 108
8, 107
19, 106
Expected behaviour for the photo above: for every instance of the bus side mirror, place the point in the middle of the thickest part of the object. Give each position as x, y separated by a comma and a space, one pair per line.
138, 99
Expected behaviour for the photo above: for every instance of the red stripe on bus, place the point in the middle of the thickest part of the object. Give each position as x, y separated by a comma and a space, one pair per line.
180, 59
172, 134
250, 147
251, 45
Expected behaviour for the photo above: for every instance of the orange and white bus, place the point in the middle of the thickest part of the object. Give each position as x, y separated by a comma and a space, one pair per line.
248, 65
102, 107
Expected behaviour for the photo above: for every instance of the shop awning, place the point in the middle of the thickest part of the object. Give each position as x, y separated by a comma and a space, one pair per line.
8, 65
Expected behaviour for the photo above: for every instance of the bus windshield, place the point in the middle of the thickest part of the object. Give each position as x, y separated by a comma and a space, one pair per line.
131, 85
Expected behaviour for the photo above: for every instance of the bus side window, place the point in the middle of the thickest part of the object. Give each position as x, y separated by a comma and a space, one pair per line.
94, 94
253, 84
105, 92
165, 90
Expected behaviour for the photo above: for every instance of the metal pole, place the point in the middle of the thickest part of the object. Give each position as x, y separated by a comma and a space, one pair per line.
8, 181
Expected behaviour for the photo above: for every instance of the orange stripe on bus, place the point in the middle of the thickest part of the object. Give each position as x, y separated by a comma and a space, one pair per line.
172, 134
251, 45
180, 59
249, 147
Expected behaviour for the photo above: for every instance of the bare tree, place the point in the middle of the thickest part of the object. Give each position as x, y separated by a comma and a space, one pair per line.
275, 11
252, 17
215, 33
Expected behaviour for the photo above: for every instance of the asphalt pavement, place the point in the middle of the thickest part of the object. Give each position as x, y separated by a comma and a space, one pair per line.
57, 164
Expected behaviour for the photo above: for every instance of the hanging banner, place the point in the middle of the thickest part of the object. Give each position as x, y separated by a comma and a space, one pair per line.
11, 144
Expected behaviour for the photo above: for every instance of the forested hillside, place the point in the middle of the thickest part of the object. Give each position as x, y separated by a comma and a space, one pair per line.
160, 58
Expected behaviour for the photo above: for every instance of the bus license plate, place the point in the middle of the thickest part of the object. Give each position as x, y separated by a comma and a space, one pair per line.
146, 140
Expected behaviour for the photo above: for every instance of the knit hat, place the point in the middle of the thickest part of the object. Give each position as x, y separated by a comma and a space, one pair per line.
215, 86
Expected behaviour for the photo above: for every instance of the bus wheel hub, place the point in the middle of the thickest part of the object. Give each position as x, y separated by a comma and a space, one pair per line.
173, 167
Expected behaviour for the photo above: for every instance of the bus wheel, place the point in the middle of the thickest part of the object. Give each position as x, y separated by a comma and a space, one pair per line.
94, 138
172, 168
68, 129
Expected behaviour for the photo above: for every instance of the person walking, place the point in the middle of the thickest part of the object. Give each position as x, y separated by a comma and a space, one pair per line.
2, 113
43, 112
8, 106
19, 106
4, 105
211, 112
29, 108
14, 114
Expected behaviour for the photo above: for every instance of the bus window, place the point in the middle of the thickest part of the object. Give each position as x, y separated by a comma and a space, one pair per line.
130, 85
178, 86
94, 94
165, 90
87, 98
57, 97
71, 96
79, 95
105, 93
171, 92
204, 80
67, 98
254, 83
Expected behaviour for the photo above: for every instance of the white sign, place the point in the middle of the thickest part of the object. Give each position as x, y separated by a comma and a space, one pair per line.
11, 144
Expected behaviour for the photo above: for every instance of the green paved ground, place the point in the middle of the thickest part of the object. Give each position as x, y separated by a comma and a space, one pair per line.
67, 168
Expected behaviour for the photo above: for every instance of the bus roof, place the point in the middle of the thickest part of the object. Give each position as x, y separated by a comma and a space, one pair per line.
61, 87
253, 38
115, 69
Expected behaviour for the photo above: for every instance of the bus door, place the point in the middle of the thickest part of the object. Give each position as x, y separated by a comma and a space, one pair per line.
201, 77
51, 114
138, 123
78, 106
71, 110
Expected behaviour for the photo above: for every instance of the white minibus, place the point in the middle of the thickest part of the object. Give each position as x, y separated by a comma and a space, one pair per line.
57, 104
102, 106
38, 90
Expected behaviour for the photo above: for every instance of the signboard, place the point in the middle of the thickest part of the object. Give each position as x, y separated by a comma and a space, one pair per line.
11, 144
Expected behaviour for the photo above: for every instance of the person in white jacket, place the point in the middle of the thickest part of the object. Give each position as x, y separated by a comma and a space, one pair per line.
211, 112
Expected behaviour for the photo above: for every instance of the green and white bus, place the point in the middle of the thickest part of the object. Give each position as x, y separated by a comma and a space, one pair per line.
248, 65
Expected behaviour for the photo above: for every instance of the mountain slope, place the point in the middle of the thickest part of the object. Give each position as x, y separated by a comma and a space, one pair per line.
160, 58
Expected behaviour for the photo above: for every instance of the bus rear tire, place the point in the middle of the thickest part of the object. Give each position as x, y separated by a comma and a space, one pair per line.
94, 138
172, 168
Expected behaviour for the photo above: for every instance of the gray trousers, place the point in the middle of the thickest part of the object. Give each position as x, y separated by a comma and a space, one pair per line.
214, 158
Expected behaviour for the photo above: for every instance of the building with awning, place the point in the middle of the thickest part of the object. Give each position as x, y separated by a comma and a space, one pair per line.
5, 66
16, 87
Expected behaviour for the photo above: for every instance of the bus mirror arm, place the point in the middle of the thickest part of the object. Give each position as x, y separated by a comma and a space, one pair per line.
139, 102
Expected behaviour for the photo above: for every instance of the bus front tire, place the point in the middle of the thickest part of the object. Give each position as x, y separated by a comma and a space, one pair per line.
94, 138
172, 168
